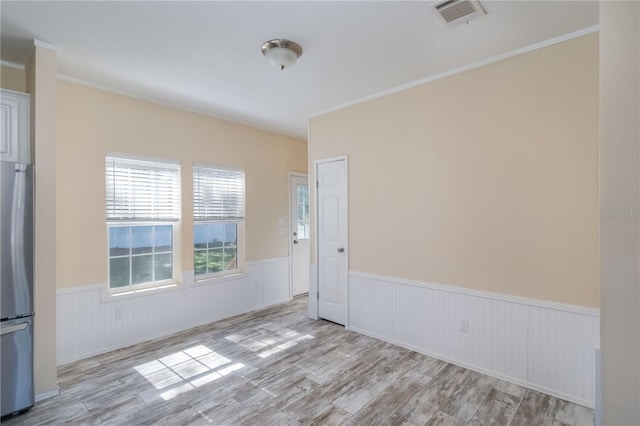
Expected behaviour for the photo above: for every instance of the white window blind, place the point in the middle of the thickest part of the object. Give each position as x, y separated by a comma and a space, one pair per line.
217, 193
140, 190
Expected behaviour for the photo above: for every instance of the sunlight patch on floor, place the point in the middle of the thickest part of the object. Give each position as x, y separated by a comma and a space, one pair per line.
185, 370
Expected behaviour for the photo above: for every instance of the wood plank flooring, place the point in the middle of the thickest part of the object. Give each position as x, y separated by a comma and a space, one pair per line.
277, 367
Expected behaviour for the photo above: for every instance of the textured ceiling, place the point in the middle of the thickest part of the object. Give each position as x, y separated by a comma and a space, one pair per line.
205, 56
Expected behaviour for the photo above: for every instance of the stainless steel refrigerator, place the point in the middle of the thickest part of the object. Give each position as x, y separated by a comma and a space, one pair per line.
16, 297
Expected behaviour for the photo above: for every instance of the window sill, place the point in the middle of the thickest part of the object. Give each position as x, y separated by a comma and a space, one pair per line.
188, 281
109, 296
212, 280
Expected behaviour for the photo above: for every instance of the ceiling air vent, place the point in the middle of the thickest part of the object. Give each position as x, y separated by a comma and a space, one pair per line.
455, 12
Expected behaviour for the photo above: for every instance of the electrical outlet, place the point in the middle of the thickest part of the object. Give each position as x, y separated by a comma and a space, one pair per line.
464, 326
117, 311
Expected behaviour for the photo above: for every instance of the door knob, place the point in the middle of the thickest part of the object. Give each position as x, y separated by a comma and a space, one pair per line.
295, 241
341, 250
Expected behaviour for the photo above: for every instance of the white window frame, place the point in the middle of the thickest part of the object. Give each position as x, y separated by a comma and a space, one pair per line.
240, 229
133, 222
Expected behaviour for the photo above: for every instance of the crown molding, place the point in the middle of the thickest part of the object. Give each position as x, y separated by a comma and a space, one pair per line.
462, 69
44, 44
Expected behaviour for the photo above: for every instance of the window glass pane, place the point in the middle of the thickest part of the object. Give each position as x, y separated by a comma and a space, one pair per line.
200, 236
141, 269
163, 269
200, 262
215, 234
229, 258
230, 238
142, 240
221, 242
119, 241
119, 272
163, 238
215, 260
128, 242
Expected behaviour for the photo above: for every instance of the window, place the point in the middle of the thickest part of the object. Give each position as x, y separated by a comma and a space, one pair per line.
143, 204
218, 209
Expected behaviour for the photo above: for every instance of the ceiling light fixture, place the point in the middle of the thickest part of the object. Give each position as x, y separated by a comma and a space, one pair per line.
281, 53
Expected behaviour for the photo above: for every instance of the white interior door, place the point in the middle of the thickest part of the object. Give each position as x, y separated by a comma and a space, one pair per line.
300, 233
332, 240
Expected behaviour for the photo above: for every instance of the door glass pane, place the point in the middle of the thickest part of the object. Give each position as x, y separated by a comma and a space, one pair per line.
163, 238
119, 241
141, 239
303, 211
141, 269
163, 268
119, 272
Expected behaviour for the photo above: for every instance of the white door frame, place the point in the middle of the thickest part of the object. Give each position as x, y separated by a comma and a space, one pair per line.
314, 282
291, 219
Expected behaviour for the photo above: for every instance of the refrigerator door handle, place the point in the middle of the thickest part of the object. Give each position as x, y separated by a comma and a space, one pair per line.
13, 328
17, 220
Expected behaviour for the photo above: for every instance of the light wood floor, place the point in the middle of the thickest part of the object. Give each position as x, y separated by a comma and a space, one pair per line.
277, 367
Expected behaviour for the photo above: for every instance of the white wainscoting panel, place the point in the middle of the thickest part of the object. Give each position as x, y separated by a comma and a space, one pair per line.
370, 306
561, 350
90, 323
272, 275
493, 343
545, 346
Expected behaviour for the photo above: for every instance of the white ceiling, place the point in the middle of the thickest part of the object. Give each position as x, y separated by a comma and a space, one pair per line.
205, 56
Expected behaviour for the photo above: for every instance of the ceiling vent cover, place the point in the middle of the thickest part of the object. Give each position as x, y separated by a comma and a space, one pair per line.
455, 12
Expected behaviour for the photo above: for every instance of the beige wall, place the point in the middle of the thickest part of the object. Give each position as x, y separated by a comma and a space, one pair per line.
13, 79
487, 179
620, 204
41, 83
92, 123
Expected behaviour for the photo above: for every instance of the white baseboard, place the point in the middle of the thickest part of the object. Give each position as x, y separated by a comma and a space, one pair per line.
48, 394
598, 408
87, 325
544, 346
